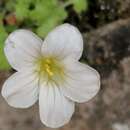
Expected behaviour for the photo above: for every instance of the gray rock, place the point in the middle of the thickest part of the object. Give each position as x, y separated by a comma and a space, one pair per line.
107, 46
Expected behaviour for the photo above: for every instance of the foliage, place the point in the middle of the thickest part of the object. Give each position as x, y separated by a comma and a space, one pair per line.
3, 62
41, 16
80, 5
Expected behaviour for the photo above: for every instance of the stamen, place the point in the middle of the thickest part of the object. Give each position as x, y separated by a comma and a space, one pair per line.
51, 68
48, 61
48, 69
49, 72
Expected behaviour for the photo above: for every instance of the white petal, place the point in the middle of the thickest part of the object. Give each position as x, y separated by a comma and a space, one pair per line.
21, 90
55, 109
21, 48
82, 82
64, 41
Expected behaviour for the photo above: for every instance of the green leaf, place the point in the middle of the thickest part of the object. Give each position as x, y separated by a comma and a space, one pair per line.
61, 14
22, 9
80, 5
53, 20
46, 27
3, 62
40, 13
10, 28
9, 5
21, 12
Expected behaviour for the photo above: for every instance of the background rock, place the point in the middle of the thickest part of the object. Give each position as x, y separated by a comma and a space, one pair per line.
107, 46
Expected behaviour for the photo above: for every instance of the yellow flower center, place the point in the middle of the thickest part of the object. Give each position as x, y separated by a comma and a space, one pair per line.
50, 69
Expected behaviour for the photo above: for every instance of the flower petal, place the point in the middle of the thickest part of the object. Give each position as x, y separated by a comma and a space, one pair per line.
64, 41
21, 48
55, 109
82, 82
21, 90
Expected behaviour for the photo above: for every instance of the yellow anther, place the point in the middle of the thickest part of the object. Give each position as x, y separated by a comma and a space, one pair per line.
48, 61
49, 72
47, 66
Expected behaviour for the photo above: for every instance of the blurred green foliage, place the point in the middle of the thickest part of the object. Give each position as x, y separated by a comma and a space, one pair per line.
3, 62
3, 34
41, 16
80, 5
46, 14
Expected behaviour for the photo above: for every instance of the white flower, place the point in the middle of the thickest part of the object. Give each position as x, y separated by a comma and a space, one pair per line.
49, 71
